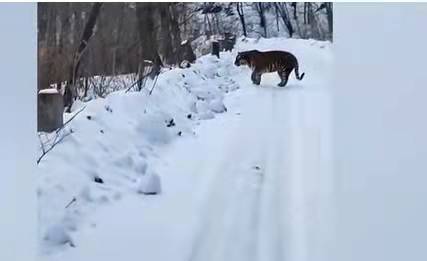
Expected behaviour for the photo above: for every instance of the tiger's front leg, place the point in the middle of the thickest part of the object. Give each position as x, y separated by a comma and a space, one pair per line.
256, 77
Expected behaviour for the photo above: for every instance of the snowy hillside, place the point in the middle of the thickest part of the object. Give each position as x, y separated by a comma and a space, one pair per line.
244, 171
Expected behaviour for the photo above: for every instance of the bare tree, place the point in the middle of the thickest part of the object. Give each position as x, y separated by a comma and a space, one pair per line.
169, 33
118, 46
282, 10
239, 7
329, 14
87, 34
260, 8
165, 39
294, 5
148, 42
117, 32
175, 32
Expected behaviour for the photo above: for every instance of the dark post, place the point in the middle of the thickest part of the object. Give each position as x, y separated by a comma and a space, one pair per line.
229, 42
187, 52
50, 110
215, 48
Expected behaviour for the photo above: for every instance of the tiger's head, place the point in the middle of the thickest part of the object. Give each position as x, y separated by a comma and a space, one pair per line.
242, 59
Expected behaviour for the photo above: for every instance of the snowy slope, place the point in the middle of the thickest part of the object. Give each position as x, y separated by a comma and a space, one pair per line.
250, 183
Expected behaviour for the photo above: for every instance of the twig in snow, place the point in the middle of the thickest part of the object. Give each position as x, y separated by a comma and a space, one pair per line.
70, 119
58, 138
71, 202
143, 79
53, 145
41, 144
154, 84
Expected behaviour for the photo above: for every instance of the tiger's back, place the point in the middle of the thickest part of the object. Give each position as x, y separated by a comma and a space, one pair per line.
273, 61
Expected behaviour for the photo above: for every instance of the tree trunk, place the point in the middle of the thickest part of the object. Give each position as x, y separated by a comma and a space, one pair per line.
147, 39
86, 86
170, 39
187, 52
262, 21
117, 37
294, 5
209, 25
242, 17
113, 68
87, 34
218, 28
166, 49
315, 31
329, 13
215, 48
329, 16
305, 13
281, 9
175, 33
308, 13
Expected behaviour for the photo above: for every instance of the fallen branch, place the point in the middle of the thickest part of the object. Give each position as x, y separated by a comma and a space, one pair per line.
71, 202
133, 84
154, 84
53, 145
70, 119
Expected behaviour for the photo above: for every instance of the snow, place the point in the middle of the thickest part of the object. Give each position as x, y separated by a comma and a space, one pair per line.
49, 91
150, 184
380, 143
244, 177
217, 106
57, 234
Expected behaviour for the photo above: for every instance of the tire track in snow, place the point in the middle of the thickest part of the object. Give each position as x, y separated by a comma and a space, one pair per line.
271, 240
272, 222
229, 230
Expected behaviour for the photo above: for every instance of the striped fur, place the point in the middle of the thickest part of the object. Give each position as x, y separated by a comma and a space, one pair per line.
272, 61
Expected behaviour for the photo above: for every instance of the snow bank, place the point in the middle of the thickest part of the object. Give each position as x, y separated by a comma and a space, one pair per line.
115, 138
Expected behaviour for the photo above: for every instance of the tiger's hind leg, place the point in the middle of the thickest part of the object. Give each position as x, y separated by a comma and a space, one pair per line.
256, 77
284, 76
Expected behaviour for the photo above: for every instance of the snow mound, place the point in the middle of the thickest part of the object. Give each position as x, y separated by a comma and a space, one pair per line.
150, 184
118, 137
206, 115
153, 129
217, 106
58, 235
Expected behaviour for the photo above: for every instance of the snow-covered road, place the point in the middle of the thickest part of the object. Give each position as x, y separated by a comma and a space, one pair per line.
257, 191
253, 184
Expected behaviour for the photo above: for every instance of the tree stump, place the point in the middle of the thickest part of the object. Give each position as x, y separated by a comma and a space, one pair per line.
187, 52
229, 41
50, 109
215, 48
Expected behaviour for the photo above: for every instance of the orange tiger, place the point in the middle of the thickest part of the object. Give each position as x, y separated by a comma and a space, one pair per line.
272, 61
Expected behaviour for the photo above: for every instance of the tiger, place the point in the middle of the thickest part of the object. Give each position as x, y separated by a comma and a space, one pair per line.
271, 61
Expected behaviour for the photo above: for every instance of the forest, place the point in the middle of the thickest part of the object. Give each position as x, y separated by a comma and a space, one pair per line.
81, 42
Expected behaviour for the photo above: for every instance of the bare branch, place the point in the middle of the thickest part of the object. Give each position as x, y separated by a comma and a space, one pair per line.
58, 137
